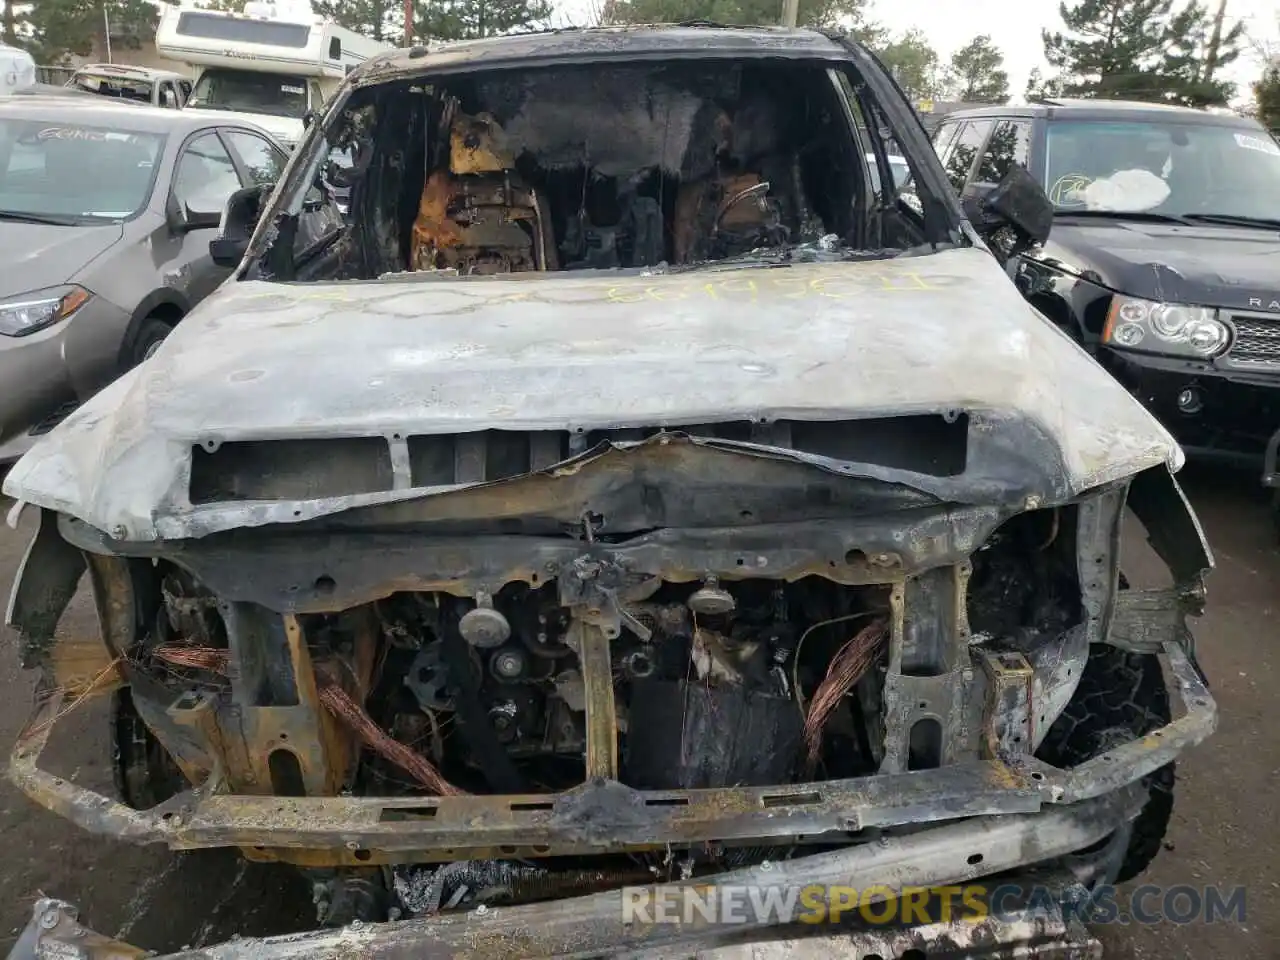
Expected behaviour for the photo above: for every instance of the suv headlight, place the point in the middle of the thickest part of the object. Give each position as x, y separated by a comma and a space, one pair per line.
1170, 328
34, 311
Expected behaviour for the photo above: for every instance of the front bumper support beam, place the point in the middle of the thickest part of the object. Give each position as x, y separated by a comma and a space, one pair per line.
605, 816
606, 924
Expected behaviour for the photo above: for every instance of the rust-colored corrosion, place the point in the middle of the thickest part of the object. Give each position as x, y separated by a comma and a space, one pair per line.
337, 703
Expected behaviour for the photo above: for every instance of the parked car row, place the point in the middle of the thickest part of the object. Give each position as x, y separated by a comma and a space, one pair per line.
106, 214
1164, 258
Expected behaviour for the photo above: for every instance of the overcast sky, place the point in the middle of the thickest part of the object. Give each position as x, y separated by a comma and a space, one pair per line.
1015, 27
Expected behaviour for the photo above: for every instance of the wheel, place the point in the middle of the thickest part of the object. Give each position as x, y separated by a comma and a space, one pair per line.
1121, 696
147, 339
145, 774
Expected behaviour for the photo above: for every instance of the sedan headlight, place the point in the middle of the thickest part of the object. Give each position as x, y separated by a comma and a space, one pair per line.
1173, 329
34, 311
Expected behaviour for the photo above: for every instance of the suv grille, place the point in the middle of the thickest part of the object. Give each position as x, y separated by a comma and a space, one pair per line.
1257, 341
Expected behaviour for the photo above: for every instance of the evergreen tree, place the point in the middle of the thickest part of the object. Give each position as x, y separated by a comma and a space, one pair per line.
472, 19
848, 16
379, 19
59, 29
1039, 86
1111, 48
11, 18
1196, 53
976, 73
1266, 95
914, 63
1142, 50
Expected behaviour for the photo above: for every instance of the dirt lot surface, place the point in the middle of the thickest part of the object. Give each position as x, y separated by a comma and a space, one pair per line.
1224, 831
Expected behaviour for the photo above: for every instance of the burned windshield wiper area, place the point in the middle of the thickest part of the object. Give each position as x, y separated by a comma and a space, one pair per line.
1234, 220
798, 253
1143, 216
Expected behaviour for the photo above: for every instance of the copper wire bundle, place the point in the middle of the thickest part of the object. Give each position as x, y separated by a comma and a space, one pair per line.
198, 658
337, 702
847, 667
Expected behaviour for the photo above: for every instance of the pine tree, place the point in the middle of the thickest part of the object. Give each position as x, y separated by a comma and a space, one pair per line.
976, 73
1111, 48
848, 16
1040, 87
1266, 95
1143, 50
913, 63
10, 20
471, 19
1196, 53
62, 28
379, 19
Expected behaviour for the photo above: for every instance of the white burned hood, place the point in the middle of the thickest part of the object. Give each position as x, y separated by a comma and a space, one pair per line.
421, 355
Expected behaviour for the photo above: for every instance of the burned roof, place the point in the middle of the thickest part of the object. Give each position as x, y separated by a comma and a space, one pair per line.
652, 42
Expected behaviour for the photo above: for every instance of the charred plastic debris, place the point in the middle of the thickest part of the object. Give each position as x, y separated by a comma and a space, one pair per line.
566, 661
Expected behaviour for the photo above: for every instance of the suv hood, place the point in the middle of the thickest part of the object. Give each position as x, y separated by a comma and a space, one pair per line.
287, 130
945, 333
1212, 266
34, 256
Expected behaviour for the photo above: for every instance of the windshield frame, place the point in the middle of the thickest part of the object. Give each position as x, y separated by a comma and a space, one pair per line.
943, 222
86, 220
196, 103
1194, 124
77, 83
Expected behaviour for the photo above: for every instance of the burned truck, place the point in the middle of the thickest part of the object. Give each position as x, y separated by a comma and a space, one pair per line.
635, 487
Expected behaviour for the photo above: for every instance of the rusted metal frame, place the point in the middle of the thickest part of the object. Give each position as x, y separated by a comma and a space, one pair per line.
1045, 932
1197, 718
601, 925
89, 810
274, 720
592, 642
929, 678
1008, 727
281, 572
591, 821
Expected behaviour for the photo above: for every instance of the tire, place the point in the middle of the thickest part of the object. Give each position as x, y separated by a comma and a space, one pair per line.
145, 774
146, 339
1121, 696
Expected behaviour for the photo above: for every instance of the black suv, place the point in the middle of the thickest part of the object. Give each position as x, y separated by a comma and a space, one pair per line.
1164, 259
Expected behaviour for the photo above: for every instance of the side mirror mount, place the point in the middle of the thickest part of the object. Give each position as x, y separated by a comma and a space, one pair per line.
309, 118
239, 219
1017, 209
184, 219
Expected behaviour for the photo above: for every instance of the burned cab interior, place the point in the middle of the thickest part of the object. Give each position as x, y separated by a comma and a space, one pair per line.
604, 167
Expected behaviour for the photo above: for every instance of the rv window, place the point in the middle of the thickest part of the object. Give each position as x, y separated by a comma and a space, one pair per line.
221, 26
335, 48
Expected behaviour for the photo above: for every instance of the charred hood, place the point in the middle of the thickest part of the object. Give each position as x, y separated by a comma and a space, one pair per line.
279, 403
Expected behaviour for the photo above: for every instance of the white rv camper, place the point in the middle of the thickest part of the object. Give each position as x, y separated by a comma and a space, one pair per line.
270, 68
